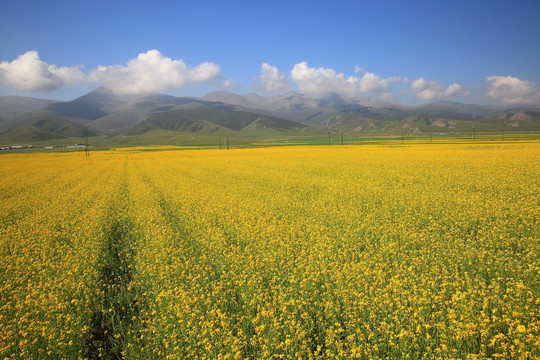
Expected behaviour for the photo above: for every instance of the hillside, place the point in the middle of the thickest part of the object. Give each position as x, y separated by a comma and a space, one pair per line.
13, 106
42, 127
196, 117
103, 113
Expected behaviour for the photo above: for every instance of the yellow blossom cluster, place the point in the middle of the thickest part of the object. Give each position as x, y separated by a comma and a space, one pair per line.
51, 225
421, 251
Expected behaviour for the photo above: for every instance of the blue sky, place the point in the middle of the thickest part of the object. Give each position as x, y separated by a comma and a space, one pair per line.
405, 52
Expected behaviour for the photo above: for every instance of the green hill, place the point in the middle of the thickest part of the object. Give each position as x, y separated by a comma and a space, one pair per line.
196, 117
38, 127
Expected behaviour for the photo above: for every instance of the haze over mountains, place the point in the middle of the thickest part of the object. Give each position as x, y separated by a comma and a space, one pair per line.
102, 112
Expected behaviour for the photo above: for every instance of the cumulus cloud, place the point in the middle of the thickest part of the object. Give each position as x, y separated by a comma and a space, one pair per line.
29, 73
511, 90
373, 83
271, 80
204, 72
426, 90
151, 71
429, 90
456, 90
323, 81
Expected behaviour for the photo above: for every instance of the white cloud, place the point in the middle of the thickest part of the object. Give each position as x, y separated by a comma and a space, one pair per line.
151, 71
271, 80
426, 90
227, 84
373, 83
29, 73
429, 90
204, 72
455, 90
322, 81
511, 90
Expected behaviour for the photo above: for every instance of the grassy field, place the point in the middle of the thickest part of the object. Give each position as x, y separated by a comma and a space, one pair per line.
270, 137
413, 250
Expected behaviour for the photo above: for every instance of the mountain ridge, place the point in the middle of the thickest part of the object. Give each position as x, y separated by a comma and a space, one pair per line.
12, 106
101, 112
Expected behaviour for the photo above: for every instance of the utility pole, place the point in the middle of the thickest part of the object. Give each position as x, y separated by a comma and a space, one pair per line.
227, 142
329, 138
341, 137
220, 140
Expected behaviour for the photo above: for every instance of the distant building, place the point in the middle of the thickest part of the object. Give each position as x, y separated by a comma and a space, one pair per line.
76, 146
16, 147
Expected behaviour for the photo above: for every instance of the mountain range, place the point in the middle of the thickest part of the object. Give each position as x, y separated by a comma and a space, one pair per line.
103, 113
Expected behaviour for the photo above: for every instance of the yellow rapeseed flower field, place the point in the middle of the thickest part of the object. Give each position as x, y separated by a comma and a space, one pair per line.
329, 252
